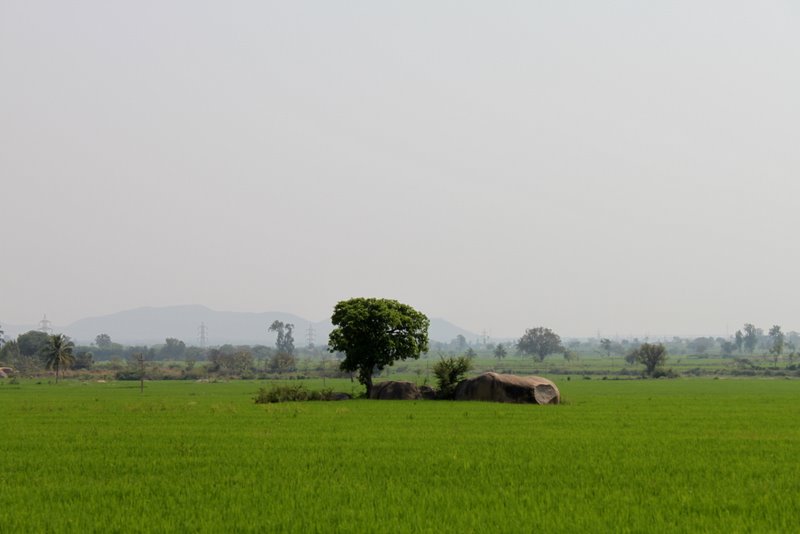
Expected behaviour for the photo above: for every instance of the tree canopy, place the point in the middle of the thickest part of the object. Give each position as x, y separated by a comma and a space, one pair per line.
58, 353
651, 355
374, 333
540, 342
285, 340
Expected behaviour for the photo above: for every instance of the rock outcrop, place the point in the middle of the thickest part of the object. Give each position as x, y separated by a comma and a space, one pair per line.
508, 388
395, 390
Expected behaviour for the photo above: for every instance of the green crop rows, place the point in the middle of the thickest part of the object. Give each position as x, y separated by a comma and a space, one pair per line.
619, 456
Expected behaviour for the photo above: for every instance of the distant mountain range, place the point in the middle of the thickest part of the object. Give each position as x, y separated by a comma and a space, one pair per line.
149, 326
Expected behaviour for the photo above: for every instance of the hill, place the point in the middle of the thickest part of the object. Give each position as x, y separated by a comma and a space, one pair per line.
150, 325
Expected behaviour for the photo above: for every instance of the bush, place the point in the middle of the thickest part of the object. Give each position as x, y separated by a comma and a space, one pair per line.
292, 393
449, 372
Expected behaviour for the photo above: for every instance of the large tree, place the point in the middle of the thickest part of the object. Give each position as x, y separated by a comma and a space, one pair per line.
58, 353
374, 333
539, 342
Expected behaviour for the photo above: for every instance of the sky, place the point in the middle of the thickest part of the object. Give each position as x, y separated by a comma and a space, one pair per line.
621, 167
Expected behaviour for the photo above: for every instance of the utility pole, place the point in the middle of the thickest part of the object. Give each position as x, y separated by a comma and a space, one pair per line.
45, 325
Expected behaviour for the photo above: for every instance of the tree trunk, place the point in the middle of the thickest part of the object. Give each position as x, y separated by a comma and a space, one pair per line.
368, 384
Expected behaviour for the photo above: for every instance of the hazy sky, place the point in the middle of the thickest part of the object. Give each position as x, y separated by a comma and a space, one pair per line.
623, 167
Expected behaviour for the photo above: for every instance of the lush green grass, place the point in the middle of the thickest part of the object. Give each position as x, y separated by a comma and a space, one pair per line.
624, 456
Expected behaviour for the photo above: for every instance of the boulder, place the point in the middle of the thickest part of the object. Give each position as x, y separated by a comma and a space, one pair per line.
508, 388
427, 392
395, 390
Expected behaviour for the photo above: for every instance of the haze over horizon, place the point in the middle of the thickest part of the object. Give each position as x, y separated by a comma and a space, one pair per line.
617, 167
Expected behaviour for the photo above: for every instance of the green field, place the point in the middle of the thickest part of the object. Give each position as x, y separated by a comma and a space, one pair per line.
688, 455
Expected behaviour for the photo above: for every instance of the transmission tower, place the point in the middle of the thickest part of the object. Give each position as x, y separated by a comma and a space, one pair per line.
45, 325
310, 336
202, 334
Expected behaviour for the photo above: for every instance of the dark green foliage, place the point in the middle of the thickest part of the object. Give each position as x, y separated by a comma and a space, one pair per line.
83, 360
449, 372
292, 393
500, 351
374, 333
57, 354
173, 349
32, 343
539, 342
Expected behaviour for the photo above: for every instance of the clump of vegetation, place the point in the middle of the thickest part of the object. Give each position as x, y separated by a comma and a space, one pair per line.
652, 356
294, 393
449, 372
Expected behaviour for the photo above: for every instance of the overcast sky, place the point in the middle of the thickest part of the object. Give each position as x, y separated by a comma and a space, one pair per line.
626, 167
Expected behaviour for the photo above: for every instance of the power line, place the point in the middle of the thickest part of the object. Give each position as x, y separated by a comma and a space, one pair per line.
203, 334
310, 336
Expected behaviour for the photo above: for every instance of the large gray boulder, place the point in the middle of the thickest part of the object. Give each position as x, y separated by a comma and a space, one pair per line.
508, 388
395, 390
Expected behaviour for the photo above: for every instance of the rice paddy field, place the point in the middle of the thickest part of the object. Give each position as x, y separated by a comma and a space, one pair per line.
685, 455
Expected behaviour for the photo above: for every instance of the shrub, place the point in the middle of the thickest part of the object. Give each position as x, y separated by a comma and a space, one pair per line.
449, 372
292, 393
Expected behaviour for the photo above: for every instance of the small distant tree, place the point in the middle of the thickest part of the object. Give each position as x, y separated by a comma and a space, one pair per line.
738, 340
750, 338
500, 351
459, 343
103, 341
173, 349
606, 344
282, 362
652, 356
700, 345
778, 342
285, 340
449, 372
540, 342
471, 354
83, 360
57, 354
726, 348
9, 354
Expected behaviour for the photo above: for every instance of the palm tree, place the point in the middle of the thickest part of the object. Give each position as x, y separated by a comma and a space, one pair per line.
58, 353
